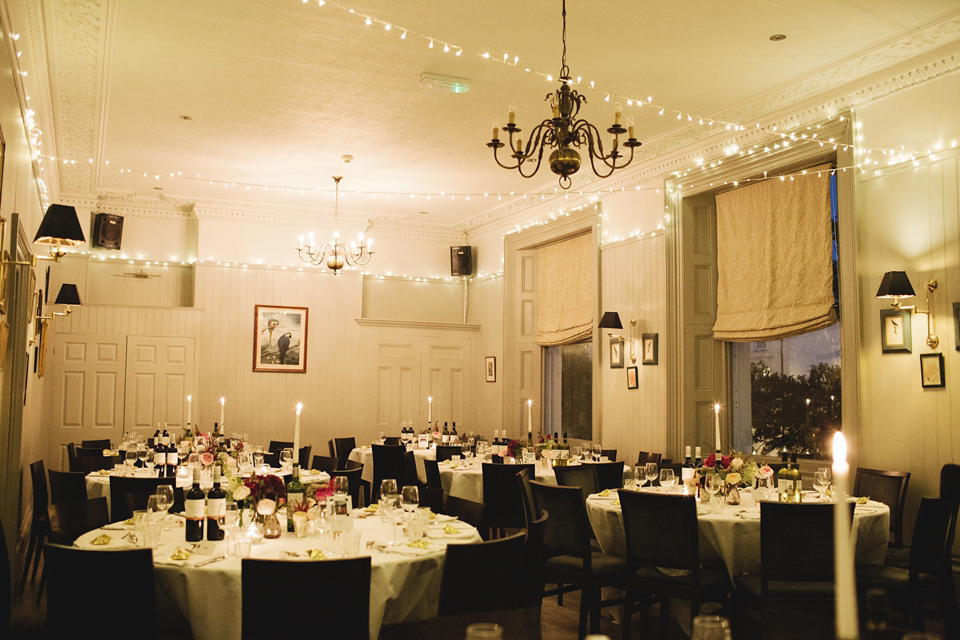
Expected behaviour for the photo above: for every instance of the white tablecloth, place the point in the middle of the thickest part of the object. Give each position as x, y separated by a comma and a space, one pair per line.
402, 587
732, 538
466, 479
364, 455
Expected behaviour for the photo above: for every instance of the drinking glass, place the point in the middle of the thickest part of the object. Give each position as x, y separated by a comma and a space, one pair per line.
341, 485
764, 488
165, 497
286, 458
629, 479
410, 498
388, 486
821, 480
711, 628
351, 542
597, 452
154, 509
142, 454
667, 479
484, 631
129, 457
575, 454
651, 472
465, 450
257, 460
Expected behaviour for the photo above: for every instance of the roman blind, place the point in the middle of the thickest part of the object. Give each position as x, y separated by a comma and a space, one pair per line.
775, 259
565, 290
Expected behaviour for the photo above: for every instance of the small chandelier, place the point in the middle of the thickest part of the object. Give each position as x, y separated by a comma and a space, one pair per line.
335, 254
565, 134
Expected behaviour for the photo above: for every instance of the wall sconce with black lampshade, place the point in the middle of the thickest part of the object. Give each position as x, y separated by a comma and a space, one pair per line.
68, 296
59, 228
896, 286
610, 320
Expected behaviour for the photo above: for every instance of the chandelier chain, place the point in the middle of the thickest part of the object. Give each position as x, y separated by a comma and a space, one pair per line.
564, 69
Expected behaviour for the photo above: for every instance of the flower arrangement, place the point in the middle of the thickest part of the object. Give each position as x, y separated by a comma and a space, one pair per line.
256, 489
515, 448
734, 469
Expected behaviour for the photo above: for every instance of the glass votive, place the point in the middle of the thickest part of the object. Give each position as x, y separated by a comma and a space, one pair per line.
241, 545
716, 502
351, 542
484, 631
300, 524
710, 628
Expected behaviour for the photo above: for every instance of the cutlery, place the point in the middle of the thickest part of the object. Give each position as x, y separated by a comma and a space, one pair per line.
211, 561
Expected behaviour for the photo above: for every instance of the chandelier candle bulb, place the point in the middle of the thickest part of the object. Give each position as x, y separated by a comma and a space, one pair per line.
512, 115
846, 609
716, 425
630, 127
616, 116
296, 430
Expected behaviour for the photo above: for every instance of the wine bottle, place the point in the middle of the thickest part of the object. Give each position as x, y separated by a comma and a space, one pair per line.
783, 478
188, 434
173, 458
160, 456
295, 495
216, 508
686, 469
156, 436
495, 445
564, 451
796, 484
454, 438
194, 504
445, 436
698, 469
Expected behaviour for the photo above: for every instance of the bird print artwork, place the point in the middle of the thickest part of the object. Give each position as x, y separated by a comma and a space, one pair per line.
283, 345
280, 335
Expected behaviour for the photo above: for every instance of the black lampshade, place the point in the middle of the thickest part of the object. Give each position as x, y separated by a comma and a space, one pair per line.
60, 226
68, 295
610, 320
895, 284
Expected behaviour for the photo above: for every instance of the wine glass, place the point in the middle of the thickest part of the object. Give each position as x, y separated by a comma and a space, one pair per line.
629, 479
142, 454
712, 483
341, 486
821, 480
388, 492
597, 452
651, 472
576, 453
286, 458
129, 457
165, 497
667, 479
155, 510
410, 498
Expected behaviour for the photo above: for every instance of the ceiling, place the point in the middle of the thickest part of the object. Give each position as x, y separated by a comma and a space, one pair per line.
278, 91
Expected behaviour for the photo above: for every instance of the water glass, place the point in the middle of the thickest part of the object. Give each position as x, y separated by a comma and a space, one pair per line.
241, 545
711, 628
484, 631
629, 479
300, 524
667, 479
410, 498
821, 480
341, 485
151, 532
651, 472
257, 460
286, 459
351, 542
139, 517
597, 452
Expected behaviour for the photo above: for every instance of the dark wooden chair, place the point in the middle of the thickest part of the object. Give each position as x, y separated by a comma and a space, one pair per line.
610, 453
434, 480
346, 616
582, 475
126, 600
72, 464
645, 456
39, 523
950, 490
70, 520
502, 504
121, 486
609, 475
353, 482
343, 447
6, 586
391, 441
324, 463
303, 458
272, 459
332, 450
389, 462
466, 510
481, 576
276, 446
445, 452
661, 532
96, 444
66, 486
890, 488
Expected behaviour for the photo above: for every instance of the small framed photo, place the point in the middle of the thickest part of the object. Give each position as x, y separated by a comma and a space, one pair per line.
956, 324
632, 378
280, 339
491, 368
895, 334
931, 370
616, 353
649, 345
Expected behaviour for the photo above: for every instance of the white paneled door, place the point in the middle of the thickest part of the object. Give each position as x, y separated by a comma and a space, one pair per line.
88, 387
159, 375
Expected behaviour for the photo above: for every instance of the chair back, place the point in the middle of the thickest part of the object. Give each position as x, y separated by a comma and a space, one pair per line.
67, 486
465, 510
125, 601
481, 576
661, 530
583, 476
645, 456
303, 458
72, 464
388, 462
139, 501
96, 444
609, 475
90, 460
276, 446
38, 480
796, 542
950, 489
610, 453
345, 615
343, 447
567, 530
6, 586
433, 474
532, 576
391, 441
70, 520
930, 546
121, 486
502, 505
353, 482
530, 510
888, 487
272, 459
324, 463
332, 450
445, 452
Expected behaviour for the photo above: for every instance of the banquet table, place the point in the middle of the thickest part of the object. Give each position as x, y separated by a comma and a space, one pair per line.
404, 582
731, 539
465, 479
364, 455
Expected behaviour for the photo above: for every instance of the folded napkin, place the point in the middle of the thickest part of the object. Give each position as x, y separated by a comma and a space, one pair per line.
743, 514
419, 548
442, 534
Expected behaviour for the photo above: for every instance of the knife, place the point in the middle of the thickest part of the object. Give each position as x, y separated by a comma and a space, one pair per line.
211, 560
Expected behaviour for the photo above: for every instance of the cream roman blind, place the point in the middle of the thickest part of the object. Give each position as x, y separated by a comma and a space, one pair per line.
565, 291
775, 259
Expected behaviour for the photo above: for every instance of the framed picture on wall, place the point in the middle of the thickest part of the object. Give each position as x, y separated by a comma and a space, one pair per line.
895, 334
632, 378
490, 367
956, 324
649, 345
931, 370
280, 339
616, 353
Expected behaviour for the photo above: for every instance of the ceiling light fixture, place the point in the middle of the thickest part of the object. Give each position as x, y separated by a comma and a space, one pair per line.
565, 134
446, 83
335, 254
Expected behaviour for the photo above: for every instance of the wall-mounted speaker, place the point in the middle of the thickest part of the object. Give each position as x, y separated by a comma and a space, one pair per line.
107, 231
461, 261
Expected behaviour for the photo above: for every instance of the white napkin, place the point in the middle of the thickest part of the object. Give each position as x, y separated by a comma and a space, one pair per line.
405, 550
440, 534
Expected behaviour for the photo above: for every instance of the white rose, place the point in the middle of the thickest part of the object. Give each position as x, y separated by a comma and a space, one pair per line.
736, 464
266, 506
241, 492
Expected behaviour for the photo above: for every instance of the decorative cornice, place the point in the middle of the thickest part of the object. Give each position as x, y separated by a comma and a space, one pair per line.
414, 324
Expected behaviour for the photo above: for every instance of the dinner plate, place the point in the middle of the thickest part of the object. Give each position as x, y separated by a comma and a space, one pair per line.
440, 534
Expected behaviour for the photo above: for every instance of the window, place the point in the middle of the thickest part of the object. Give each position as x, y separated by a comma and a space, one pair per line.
568, 390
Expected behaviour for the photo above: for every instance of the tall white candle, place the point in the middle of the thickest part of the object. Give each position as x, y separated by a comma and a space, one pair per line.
429, 409
189, 403
846, 608
716, 425
529, 415
296, 433
222, 401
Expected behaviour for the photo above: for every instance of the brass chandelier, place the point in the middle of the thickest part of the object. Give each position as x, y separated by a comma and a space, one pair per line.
335, 254
564, 133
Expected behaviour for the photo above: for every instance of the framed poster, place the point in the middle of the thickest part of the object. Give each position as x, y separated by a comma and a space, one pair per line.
616, 353
895, 331
931, 370
648, 344
280, 339
490, 368
632, 378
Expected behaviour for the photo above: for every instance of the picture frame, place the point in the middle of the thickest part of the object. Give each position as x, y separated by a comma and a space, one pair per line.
956, 325
649, 348
895, 331
490, 368
280, 339
632, 378
931, 370
616, 353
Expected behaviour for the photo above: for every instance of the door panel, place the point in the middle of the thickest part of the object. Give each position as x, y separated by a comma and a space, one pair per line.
158, 374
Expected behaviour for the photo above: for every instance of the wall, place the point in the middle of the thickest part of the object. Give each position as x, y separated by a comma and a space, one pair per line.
909, 219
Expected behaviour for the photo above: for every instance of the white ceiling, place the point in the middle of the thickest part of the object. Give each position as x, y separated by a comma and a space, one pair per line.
279, 90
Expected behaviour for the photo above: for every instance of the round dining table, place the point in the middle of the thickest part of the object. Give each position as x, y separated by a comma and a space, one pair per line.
731, 538
464, 478
205, 589
364, 455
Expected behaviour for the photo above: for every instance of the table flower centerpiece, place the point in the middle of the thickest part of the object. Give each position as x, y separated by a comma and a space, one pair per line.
736, 470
